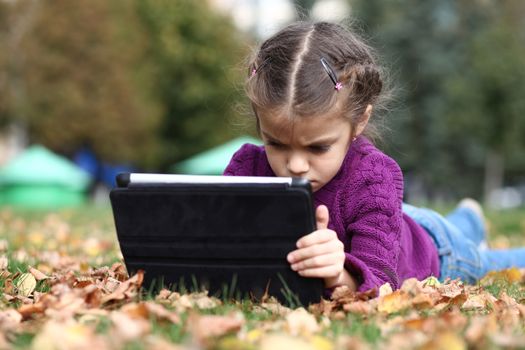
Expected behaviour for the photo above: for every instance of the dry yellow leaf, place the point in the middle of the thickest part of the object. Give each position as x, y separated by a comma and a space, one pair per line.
321, 343
25, 284
284, 342
385, 289
446, 341
397, 301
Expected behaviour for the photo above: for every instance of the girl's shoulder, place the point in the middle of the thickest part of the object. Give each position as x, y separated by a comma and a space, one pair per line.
249, 160
371, 166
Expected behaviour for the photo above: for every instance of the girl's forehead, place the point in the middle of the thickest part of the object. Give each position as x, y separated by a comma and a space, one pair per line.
284, 126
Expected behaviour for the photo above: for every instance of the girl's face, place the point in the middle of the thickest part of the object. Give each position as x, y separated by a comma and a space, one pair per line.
309, 147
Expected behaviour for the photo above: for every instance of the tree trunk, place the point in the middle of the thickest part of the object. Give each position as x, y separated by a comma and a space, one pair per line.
493, 174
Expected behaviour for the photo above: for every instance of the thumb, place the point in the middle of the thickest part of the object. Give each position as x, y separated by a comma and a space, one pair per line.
322, 217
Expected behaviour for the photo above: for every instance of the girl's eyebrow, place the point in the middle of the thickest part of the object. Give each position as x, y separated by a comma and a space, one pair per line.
268, 136
321, 141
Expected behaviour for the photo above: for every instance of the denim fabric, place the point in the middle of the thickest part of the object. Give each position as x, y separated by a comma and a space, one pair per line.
459, 238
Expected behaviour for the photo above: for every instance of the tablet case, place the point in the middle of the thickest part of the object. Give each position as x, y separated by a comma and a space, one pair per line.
231, 239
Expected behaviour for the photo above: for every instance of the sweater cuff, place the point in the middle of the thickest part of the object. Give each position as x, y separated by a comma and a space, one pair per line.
363, 276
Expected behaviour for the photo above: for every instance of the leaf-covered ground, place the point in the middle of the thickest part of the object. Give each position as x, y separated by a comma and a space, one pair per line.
63, 286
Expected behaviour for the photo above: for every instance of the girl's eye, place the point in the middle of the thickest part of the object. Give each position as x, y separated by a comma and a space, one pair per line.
274, 144
319, 148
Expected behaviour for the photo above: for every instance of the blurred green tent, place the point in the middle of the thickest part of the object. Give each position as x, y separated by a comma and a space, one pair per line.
212, 161
39, 178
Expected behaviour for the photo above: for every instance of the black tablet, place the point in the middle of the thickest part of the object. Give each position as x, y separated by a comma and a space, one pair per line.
227, 234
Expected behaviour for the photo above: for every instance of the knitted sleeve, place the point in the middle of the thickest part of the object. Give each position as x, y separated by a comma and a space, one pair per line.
243, 162
375, 223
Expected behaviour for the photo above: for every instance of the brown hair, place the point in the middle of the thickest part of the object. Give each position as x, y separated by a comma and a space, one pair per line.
290, 77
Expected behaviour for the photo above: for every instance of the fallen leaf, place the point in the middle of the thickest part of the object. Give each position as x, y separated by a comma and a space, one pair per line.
205, 327
301, 322
9, 319
284, 342
321, 343
30, 309
394, 302
450, 290
67, 335
127, 327
162, 313
510, 275
385, 289
39, 276
359, 307
4, 262
445, 341
478, 301
25, 284
125, 288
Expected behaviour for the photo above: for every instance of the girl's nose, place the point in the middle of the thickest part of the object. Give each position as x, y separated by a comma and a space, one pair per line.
297, 165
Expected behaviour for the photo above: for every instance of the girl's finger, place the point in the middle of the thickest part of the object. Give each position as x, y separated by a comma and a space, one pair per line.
335, 258
321, 272
316, 237
322, 216
327, 247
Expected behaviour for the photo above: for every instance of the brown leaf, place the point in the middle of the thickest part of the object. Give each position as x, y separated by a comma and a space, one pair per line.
324, 307
136, 310
446, 341
119, 271
30, 309
124, 289
9, 287
479, 328
451, 290
127, 327
206, 327
423, 301
359, 307
397, 301
39, 276
162, 313
9, 319
478, 301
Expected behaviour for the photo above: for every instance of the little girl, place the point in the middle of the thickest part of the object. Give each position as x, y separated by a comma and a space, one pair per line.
313, 87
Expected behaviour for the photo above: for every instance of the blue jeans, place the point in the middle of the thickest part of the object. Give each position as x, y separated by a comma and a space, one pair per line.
459, 238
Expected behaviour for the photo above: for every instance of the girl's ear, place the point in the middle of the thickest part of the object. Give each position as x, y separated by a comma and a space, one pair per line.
360, 127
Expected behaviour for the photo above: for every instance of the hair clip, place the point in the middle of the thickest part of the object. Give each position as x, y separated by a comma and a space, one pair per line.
255, 69
337, 84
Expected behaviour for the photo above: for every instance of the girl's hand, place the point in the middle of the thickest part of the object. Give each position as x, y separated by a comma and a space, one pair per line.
321, 254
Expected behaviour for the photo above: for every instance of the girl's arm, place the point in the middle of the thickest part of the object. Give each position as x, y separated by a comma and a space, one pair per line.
321, 254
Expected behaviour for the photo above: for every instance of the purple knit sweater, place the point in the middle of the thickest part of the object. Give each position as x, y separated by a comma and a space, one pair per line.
364, 199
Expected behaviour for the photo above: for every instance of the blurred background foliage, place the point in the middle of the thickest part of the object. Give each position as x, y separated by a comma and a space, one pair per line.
145, 82
458, 69
153, 82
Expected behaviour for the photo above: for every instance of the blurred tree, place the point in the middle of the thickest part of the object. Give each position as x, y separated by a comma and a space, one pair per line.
486, 102
456, 67
195, 53
80, 83
145, 82
16, 21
